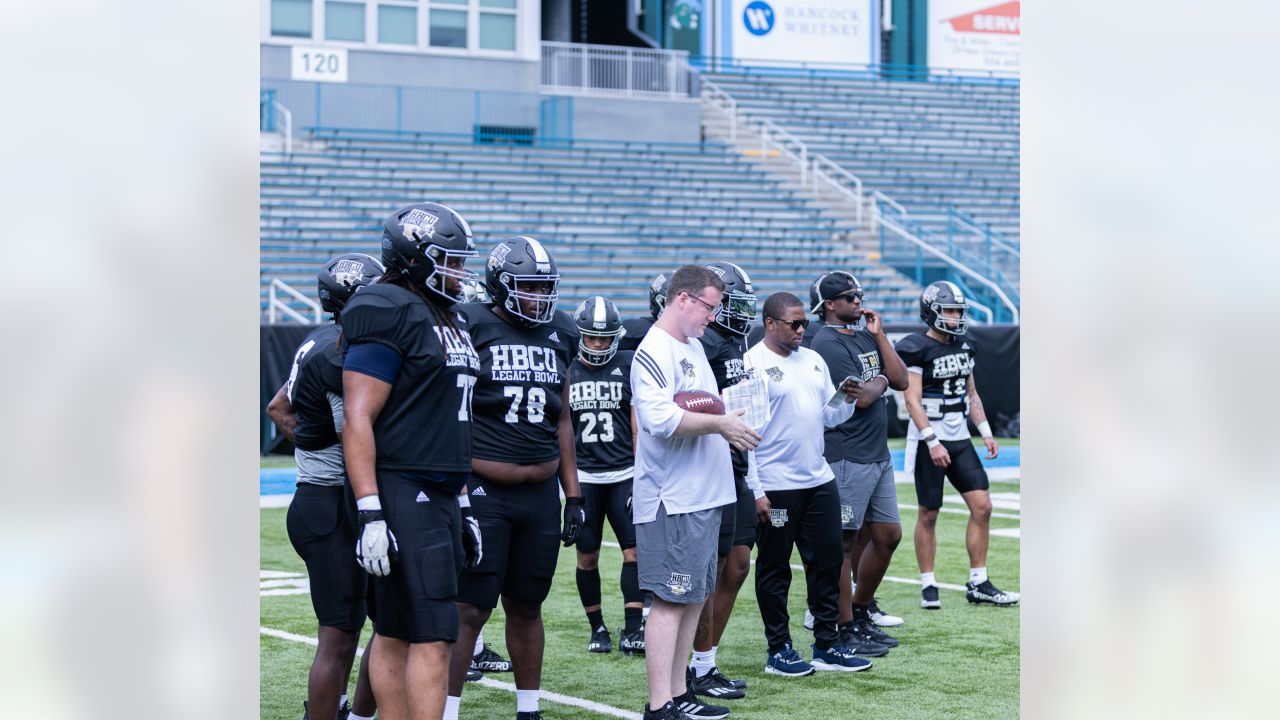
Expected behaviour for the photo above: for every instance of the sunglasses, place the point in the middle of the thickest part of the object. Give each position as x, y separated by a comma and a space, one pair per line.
796, 325
849, 296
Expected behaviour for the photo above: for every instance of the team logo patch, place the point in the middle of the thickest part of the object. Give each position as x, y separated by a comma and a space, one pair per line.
349, 272
719, 271
817, 369
553, 337
617, 371
681, 584
846, 513
777, 517
870, 364
688, 368
419, 224
422, 497
774, 374
499, 256
479, 492
656, 285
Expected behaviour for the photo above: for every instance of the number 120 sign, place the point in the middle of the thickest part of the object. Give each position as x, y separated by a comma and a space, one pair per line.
319, 64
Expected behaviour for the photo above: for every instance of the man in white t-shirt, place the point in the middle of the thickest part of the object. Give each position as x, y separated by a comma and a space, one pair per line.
801, 504
682, 477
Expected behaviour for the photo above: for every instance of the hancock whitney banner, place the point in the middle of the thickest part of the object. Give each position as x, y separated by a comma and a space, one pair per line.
975, 35
789, 32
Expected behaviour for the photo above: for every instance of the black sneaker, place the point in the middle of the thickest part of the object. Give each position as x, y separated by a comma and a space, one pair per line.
875, 634
473, 676
535, 715
632, 643
860, 643
929, 598
489, 661
692, 707
666, 712
714, 685
344, 712
600, 641
985, 592
306, 710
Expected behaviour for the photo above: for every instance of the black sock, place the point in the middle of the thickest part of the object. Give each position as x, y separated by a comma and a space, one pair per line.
633, 617
596, 618
629, 582
846, 627
861, 612
589, 592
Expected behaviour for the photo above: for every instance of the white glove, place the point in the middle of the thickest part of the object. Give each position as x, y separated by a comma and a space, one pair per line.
376, 544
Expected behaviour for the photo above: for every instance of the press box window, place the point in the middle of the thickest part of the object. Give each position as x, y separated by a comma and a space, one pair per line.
448, 28
344, 21
397, 24
291, 18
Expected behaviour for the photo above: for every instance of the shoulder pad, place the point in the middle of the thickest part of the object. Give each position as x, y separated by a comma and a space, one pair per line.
376, 314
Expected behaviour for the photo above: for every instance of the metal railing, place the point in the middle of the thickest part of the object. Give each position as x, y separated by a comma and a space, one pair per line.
615, 71
276, 306
831, 174
892, 226
288, 125
882, 71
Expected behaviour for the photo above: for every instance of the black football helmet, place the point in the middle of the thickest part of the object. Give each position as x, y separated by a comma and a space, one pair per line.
517, 268
658, 294
738, 303
338, 279
423, 240
598, 317
944, 295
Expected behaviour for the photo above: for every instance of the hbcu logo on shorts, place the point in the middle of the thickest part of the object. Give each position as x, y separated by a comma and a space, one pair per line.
681, 584
777, 517
846, 513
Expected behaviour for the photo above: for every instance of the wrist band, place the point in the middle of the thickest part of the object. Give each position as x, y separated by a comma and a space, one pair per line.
984, 427
464, 501
369, 502
926, 433
932, 442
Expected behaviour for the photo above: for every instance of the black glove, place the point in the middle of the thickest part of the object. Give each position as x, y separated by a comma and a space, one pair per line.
575, 516
471, 542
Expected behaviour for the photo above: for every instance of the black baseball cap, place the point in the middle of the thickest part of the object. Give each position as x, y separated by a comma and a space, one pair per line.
829, 285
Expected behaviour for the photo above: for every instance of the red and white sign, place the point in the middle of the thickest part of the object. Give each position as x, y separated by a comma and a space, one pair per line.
975, 35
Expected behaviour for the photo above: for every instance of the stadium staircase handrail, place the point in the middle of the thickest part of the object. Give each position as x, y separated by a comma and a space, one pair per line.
288, 126
276, 305
555, 54
875, 71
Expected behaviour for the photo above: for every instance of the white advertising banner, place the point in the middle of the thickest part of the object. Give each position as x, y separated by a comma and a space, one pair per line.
816, 32
977, 35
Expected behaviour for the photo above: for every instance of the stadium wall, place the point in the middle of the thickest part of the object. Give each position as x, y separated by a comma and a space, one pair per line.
644, 120
420, 70
996, 373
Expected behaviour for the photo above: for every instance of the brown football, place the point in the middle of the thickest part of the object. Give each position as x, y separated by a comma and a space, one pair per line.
700, 401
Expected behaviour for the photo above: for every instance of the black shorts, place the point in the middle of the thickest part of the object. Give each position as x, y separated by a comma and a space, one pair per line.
417, 601
612, 500
965, 472
520, 528
322, 535
737, 521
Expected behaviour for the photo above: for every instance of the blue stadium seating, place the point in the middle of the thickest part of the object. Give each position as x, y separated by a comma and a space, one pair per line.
614, 214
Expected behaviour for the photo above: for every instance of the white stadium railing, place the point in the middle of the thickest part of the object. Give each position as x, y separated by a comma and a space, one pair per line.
581, 69
276, 306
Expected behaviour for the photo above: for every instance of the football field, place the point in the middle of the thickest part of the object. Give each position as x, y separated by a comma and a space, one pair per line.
960, 661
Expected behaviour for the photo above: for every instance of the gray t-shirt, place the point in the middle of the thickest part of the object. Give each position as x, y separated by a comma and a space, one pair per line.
863, 438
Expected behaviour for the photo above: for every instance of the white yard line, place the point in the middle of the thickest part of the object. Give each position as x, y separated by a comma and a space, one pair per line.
957, 511
548, 695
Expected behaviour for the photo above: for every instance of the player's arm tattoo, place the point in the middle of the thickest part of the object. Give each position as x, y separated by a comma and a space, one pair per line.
976, 412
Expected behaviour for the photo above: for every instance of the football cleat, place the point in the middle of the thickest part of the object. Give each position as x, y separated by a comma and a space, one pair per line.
860, 643
929, 599
489, 661
788, 663
714, 685
692, 707
632, 643
839, 658
600, 641
882, 618
985, 592
473, 676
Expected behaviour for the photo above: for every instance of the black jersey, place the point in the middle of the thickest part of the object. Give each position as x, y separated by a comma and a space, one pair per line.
316, 372
426, 422
519, 395
636, 329
724, 351
600, 400
864, 437
945, 369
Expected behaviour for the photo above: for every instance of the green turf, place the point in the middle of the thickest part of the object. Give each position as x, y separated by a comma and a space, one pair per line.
960, 661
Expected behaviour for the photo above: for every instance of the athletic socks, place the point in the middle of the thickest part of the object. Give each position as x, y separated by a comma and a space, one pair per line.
596, 618
479, 648
630, 583
588, 587
342, 699
527, 700
354, 716
633, 617
861, 612
926, 579
451, 707
977, 576
703, 662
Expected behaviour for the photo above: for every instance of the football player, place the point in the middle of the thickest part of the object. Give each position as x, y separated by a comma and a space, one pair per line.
941, 399
408, 374
308, 410
637, 328
853, 344
724, 343
600, 401
523, 441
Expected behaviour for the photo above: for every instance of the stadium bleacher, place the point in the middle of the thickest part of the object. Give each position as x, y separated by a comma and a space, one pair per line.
615, 214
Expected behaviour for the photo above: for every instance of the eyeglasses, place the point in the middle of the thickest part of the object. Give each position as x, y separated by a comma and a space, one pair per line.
713, 308
796, 325
850, 296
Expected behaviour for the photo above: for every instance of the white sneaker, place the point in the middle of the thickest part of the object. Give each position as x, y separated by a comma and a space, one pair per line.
882, 618
808, 620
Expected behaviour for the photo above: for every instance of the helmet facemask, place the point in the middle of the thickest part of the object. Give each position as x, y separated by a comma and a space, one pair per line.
434, 275
940, 321
544, 304
598, 357
738, 311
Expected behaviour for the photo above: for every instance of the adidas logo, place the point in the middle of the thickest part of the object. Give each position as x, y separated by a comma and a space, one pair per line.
553, 337
479, 492
817, 369
422, 497
616, 371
